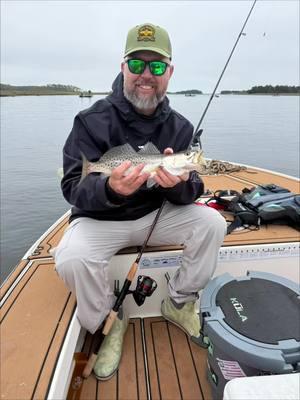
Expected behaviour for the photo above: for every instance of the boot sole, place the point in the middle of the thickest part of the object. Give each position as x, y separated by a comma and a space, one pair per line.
106, 378
179, 326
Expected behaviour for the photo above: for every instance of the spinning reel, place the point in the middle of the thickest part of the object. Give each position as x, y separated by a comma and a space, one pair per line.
145, 286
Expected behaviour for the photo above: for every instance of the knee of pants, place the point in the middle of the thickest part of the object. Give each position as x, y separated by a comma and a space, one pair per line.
214, 222
69, 251
67, 271
68, 262
87, 279
66, 267
217, 224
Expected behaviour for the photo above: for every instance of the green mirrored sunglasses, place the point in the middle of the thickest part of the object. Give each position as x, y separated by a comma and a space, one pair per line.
157, 68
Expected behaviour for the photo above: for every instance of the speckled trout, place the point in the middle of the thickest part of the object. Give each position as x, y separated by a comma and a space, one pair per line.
149, 155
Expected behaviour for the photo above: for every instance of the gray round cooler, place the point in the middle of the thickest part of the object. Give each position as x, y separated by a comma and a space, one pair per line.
251, 326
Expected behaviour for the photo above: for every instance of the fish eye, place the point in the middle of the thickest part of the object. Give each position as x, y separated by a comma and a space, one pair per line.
188, 153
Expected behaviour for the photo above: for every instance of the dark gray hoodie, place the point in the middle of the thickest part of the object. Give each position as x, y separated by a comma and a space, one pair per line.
112, 122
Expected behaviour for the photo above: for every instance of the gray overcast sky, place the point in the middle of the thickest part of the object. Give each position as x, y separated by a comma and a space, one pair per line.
82, 42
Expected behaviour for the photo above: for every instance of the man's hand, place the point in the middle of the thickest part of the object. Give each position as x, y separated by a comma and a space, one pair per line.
167, 180
124, 184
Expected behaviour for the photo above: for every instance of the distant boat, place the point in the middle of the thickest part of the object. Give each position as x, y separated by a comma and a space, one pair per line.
86, 94
190, 94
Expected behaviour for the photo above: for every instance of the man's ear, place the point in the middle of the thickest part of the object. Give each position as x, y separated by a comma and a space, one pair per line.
122, 66
171, 70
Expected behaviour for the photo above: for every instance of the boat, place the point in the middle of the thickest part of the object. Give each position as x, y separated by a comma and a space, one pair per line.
86, 94
44, 349
190, 94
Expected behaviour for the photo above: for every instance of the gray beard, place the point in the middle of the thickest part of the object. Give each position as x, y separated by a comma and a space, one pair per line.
143, 104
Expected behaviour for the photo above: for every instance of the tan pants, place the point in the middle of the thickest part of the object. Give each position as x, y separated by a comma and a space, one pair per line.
87, 246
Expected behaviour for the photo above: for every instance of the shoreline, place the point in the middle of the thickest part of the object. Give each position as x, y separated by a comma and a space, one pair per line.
13, 94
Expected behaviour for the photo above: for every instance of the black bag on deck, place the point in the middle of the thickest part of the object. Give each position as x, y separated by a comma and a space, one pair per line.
263, 204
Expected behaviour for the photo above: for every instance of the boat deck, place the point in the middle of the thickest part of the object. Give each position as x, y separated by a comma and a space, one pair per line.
37, 309
159, 362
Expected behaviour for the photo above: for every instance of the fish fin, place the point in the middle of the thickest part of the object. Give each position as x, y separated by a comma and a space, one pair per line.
85, 163
149, 148
151, 169
123, 151
174, 171
150, 182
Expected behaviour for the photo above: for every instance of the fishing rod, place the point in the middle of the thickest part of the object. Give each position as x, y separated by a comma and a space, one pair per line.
139, 295
195, 141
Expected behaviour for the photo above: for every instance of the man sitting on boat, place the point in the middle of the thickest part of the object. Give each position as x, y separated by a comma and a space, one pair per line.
116, 211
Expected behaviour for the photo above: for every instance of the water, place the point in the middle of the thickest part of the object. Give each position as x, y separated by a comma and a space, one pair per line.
255, 130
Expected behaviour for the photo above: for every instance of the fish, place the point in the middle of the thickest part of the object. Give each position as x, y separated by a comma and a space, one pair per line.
176, 164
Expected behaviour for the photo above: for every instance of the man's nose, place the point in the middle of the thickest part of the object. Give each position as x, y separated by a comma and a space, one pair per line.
146, 73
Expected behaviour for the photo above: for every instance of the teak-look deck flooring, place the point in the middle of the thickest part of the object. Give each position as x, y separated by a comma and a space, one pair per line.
158, 362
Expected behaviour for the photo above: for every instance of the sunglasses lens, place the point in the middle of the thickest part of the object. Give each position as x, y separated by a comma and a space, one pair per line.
158, 67
136, 66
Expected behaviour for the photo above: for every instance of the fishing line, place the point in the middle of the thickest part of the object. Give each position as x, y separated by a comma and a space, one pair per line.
196, 142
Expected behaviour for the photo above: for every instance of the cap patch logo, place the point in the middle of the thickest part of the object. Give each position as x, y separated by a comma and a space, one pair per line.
146, 34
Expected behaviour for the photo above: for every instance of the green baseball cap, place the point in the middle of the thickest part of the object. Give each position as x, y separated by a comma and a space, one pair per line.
148, 37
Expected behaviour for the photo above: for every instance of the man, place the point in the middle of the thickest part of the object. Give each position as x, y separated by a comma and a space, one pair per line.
113, 212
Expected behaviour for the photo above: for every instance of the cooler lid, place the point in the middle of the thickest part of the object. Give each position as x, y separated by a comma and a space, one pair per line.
260, 309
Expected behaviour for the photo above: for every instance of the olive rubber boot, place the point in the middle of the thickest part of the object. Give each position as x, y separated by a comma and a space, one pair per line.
183, 315
110, 352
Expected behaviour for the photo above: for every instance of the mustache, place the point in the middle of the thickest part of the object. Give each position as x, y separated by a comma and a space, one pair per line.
144, 82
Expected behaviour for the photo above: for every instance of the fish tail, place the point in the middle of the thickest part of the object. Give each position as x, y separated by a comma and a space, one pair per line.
85, 164
60, 173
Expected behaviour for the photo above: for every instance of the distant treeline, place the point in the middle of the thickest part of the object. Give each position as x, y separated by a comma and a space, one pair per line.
267, 89
274, 89
57, 89
234, 92
191, 91
10, 90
